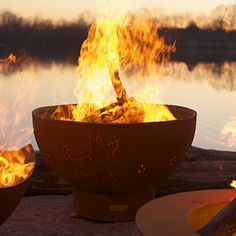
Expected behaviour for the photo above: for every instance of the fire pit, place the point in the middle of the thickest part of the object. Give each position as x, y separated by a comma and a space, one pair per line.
114, 168
11, 195
114, 154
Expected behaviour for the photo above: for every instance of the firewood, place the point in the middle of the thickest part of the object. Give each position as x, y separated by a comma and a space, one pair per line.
114, 111
99, 114
229, 212
125, 109
121, 93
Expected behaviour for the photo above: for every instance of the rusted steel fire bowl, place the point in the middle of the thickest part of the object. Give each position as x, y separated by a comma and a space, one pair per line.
114, 168
11, 196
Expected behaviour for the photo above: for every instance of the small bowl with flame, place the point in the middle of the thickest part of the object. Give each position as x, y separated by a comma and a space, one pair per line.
16, 168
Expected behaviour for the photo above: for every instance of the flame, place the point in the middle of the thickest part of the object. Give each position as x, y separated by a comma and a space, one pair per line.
13, 168
10, 59
17, 98
233, 184
15, 130
118, 44
229, 132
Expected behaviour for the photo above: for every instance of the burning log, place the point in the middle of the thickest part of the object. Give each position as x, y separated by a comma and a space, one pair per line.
123, 108
113, 111
121, 93
225, 220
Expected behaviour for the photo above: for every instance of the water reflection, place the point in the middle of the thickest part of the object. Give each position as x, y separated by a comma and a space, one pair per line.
210, 89
219, 76
26, 90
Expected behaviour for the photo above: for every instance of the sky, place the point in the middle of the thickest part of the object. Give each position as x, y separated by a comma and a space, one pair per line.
69, 9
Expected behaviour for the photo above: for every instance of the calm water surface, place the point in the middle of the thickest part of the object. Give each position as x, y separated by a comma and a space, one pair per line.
208, 88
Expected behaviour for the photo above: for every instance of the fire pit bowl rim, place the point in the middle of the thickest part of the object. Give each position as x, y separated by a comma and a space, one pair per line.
38, 113
30, 174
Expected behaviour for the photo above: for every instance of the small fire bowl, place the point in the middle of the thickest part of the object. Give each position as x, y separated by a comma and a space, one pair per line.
11, 196
114, 168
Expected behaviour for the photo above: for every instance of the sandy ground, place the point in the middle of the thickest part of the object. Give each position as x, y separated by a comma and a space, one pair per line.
50, 215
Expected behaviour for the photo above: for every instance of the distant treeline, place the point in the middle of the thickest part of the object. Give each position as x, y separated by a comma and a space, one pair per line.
221, 17
62, 41
40, 37
202, 45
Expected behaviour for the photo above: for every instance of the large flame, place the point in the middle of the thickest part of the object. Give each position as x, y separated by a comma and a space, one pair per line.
13, 168
118, 43
14, 132
229, 132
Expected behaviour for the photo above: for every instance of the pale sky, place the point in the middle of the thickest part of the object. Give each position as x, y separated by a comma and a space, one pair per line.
69, 9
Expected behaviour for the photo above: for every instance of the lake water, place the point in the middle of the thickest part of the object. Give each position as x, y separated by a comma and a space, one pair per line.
209, 89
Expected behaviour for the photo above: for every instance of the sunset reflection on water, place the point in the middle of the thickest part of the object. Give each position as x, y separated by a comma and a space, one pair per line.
209, 89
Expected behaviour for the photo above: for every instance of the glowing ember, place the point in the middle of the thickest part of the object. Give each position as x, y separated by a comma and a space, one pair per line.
229, 132
118, 44
13, 168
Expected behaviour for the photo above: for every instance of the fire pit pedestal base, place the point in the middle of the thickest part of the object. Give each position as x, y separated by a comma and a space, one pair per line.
109, 207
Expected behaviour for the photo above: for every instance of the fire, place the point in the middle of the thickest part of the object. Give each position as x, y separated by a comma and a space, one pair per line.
233, 184
15, 132
118, 45
10, 59
13, 168
229, 132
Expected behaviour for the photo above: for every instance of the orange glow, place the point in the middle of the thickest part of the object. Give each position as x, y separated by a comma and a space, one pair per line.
13, 168
233, 184
118, 45
229, 132
10, 59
